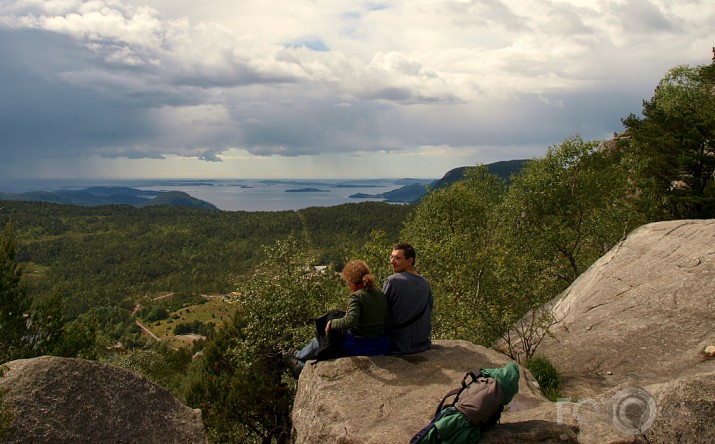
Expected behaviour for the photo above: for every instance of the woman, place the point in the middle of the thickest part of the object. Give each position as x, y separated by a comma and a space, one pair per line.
367, 315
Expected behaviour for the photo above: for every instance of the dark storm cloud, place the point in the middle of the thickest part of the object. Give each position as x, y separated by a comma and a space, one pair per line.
40, 115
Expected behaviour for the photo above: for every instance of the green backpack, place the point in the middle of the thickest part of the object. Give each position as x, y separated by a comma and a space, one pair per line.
477, 406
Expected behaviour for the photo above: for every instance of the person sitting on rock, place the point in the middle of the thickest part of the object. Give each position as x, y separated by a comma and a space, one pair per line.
364, 324
410, 298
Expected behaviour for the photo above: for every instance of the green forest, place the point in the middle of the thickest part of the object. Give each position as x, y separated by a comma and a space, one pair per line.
240, 287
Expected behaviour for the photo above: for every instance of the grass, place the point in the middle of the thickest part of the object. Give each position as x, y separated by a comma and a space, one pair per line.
546, 375
35, 271
216, 309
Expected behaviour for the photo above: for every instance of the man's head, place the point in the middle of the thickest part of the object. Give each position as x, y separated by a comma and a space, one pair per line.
402, 258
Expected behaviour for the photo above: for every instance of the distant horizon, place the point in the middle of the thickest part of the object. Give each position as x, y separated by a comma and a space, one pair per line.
5, 182
263, 194
9, 180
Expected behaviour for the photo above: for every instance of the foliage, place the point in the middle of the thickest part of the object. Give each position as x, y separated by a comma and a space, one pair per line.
45, 326
154, 313
241, 384
197, 327
109, 255
674, 143
331, 233
546, 375
521, 286
80, 339
561, 213
108, 326
568, 208
25, 331
452, 230
160, 364
375, 252
14, 302
493, 253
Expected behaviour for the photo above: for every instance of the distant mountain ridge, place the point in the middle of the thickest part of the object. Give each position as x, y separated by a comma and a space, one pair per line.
101, 195
411, 191
415, 189
503, 169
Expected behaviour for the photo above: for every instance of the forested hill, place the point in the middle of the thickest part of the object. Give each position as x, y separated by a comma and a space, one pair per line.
108, 254
503, 169
414, 190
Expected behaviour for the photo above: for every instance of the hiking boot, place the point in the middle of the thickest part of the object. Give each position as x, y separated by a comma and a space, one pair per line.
294, 364
291, 352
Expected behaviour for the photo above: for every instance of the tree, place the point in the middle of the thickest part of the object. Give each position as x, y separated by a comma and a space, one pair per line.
567, 209
14, 303
493, 253
160, 363
452, 230
674, 142
45, 328
241, 384
561, 214
376, 252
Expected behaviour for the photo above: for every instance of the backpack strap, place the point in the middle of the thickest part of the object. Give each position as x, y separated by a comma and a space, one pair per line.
470, 375
442, 405
456, 392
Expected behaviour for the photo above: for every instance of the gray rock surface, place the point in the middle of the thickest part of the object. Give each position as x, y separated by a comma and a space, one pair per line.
73, 400
387, 399
644, 313
686, 410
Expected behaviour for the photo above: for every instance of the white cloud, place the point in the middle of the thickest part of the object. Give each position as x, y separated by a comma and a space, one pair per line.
200, 78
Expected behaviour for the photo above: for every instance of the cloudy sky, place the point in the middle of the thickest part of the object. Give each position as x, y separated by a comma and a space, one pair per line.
324, 88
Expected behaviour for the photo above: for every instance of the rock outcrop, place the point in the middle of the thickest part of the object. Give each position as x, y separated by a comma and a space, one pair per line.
631, 347
387, 399
75, 400
644, 313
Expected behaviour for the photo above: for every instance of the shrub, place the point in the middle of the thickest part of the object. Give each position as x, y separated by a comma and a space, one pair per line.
546, 375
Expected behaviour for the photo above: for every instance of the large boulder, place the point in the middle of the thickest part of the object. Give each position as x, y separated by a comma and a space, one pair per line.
686, 410
642, 314
75, 400
386, 399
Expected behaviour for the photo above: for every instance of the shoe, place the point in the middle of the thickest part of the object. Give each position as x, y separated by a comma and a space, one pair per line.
294, 364
287, 355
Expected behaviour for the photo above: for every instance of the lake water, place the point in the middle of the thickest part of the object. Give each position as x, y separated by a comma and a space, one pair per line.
236, 194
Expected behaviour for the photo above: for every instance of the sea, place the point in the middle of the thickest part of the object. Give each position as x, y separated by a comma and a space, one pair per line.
235, 194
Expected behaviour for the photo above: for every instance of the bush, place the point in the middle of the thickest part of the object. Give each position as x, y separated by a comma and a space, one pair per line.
546, 375
197, 327
154, 313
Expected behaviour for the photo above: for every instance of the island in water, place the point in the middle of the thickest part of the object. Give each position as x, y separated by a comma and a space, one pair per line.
307, 190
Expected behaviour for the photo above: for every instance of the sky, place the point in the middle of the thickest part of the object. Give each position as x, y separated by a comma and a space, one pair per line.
324, 88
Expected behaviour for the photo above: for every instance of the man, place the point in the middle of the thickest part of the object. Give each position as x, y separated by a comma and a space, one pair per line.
410, 298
